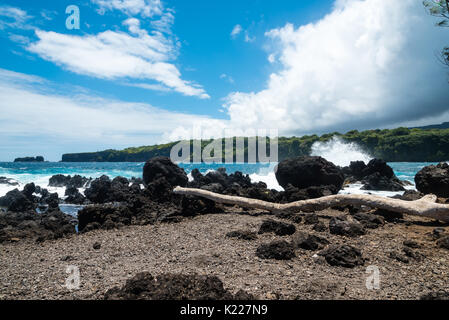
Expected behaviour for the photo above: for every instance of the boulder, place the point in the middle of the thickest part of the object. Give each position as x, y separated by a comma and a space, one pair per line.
51, 199
378, 166
163, 167
74, 196
60, 180
378, 182
46, 226
104, 217
16, 201
174, 287
277, 227
99, 190
309, 242
369, 221
434, 179
340, 226
376, 175
311, 218
319, 227
343, 256
278, 250
305, 172
410, 195
28, 191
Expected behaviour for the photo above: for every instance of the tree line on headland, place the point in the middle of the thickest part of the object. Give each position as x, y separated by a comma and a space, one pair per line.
392, 145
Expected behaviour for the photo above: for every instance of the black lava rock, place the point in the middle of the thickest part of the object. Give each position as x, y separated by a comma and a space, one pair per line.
242, 235
278, 250
16, 201
343, 256
434, 179
163, 167
174, 287
369, 221
305, 172
309, 242
277, 227
342, 227
443, 242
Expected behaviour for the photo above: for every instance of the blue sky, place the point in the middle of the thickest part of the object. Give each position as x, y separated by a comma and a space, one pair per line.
207, 52
139, 72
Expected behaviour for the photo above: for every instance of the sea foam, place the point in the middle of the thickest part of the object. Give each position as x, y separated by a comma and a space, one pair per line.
339, 152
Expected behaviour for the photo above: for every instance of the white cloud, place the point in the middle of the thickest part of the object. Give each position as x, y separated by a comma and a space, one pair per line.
146, 8
228, 78
248, 38
368, 63
48, 15
115, 54
11, 17
30, 109
150, 86
19, 38
236, 31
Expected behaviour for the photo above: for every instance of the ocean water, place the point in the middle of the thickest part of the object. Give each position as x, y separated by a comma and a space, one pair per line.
336, 151
40, 173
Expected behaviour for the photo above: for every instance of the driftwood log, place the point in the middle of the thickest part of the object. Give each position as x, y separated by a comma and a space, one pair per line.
424, 207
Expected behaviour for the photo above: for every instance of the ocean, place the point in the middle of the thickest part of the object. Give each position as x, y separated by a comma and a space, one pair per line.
40, 173
338, 152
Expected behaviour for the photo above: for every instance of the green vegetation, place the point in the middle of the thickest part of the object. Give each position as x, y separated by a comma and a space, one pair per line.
397, 145
440, 9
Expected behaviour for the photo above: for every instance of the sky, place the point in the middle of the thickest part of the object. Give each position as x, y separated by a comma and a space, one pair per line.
142, 72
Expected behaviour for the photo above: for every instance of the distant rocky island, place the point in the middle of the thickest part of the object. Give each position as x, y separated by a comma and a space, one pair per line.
30, 159
392, 145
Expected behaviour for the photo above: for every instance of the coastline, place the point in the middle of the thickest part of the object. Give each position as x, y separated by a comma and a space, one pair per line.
126, 227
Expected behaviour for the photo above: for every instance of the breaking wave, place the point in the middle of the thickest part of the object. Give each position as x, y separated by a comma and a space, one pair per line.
339, 152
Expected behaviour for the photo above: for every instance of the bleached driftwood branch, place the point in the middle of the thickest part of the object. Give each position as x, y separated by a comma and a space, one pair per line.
424, 207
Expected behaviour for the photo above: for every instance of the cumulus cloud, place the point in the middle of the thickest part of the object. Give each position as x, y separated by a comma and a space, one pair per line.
33, 113
135, 54
366, 64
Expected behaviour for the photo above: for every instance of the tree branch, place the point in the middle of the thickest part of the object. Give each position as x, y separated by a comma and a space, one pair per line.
425, 207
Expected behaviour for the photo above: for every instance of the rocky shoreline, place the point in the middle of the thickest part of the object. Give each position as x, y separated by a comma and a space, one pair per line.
218, 251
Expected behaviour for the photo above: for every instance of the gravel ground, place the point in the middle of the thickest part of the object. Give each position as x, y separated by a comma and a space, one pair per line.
29, 270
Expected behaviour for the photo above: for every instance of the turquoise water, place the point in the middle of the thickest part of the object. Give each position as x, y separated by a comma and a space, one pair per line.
32, 172
40, 173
